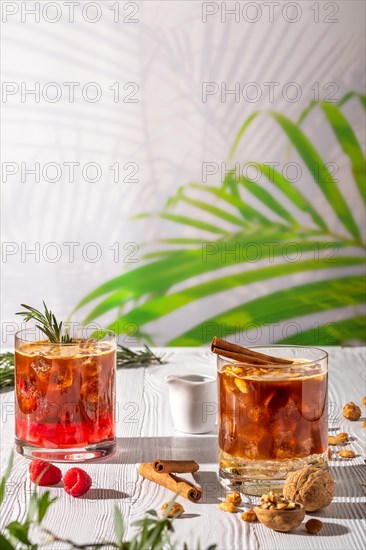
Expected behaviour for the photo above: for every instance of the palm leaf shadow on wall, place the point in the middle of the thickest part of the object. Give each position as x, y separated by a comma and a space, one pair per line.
143, 295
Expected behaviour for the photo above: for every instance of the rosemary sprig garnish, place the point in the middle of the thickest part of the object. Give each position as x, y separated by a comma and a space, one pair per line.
126, 358
48, 324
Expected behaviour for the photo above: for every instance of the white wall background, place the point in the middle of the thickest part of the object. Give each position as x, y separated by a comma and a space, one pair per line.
168, 133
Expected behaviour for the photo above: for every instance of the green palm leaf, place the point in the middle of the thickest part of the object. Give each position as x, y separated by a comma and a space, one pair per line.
163, 305
250, 214
331, 334
267, 198
315, 164
143, 294
179, 265
279, 306
349, 143
324, 178
290, 191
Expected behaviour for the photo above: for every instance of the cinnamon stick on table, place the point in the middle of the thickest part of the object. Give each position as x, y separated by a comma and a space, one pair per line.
172, 482
175, 466
244, 355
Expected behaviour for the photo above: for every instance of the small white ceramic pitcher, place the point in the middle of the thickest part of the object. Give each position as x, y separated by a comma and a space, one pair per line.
193, 402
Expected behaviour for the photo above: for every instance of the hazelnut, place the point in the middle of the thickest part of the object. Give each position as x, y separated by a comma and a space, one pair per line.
234, 497
249, 516
346, 453
351, 411
332, 440
227, 507
313, 526
312, 487
364, 424
175, 511
364, 400
280, 520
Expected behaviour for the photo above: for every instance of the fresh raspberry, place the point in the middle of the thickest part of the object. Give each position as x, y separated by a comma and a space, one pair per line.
44, 473
77, 482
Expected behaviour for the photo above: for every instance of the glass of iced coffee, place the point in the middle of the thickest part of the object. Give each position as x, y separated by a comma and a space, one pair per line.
272, 417
65, 395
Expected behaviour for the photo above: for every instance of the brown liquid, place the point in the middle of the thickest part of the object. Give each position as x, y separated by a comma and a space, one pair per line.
274, 414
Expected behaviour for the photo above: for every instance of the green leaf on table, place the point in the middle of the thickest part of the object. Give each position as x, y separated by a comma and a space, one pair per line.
44, 502
6, 476
118, 524
5, 544
19, 531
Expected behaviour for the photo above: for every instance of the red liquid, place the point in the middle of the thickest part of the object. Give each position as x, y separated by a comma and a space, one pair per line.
65, 395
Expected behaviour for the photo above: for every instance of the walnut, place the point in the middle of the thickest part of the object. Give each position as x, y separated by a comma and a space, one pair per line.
346, 453
249, 516
338, 439
272, 501
227, 507
342, 438
312, 487
175, 511
351, 411
313, 526
234, 497
283, 520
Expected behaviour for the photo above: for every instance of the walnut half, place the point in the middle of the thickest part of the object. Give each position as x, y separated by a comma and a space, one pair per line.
283, 520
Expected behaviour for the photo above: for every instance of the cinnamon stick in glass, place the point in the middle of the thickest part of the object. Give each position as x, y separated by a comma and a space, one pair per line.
175, 466
244, 355
171, 482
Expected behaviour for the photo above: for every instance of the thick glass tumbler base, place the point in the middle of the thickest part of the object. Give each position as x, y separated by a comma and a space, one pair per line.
94, 451
256, 477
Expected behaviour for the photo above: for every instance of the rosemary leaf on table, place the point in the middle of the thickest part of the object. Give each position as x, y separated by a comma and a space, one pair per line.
6, 370
126, 358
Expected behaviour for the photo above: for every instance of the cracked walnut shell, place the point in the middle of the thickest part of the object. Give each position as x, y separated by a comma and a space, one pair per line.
234, 497
346, 453
175, 511
227, 507
312, 487
351, 411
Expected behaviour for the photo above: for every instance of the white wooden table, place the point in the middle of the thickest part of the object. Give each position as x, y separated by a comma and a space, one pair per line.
145, 431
